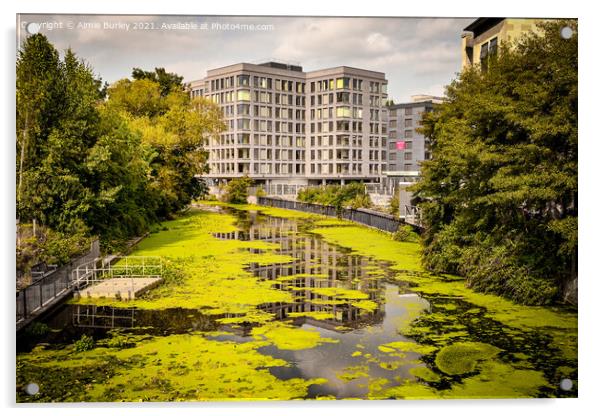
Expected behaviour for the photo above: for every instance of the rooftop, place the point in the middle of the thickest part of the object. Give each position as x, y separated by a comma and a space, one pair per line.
482, 24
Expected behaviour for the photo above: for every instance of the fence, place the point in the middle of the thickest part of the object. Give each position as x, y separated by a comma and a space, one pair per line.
117, 267
367, 217
51, 287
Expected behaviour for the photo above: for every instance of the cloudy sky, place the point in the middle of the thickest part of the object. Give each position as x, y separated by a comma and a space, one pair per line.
418, 56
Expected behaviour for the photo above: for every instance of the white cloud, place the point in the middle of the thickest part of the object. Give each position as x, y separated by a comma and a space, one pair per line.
415, 54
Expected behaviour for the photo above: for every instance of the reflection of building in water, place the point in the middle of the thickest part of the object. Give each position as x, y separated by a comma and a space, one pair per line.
102, 317
317, 264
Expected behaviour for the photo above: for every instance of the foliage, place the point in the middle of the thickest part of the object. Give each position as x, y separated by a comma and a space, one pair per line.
37, 329
92, 165
168, 81
351, 195
499, 197
405, 233
49, 246
394, 204
85, 343
237, 190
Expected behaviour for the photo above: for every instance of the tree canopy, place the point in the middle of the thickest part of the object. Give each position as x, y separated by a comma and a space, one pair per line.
100, 161
168, 81
499, 197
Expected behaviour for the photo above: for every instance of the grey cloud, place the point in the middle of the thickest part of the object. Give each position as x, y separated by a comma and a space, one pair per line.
418, 55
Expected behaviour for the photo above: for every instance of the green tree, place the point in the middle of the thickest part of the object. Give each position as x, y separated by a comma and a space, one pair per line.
39, 105
175, 128
499, 197
168, 81
352, 195
237, 190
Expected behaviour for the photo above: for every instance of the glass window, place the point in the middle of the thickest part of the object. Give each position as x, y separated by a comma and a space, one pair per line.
493, 47
243, 95
343, 112
243, 109
243, 123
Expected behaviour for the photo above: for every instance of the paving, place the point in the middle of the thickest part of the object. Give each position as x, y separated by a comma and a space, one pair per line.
121, 288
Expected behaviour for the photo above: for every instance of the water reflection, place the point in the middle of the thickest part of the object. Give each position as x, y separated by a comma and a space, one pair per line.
316, 265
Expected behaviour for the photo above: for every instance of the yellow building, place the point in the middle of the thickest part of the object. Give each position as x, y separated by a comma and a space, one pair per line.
482, 37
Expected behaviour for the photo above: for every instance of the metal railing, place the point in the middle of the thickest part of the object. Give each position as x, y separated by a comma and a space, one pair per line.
367, 217
51, 287
411, 214
117, 267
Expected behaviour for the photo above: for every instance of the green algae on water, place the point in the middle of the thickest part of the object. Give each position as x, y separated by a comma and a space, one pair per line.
175, 367
463, 357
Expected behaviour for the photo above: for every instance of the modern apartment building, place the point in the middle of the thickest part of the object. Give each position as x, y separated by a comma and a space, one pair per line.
287, 126
481, 38
406, 147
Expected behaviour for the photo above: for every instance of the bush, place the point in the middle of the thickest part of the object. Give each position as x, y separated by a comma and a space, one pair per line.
352, 195
394, 205
405, 233
85, 343
237, 190
37, 329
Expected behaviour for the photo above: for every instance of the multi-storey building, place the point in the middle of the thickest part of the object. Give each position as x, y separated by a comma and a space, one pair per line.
481, 38
406, 146
286, 126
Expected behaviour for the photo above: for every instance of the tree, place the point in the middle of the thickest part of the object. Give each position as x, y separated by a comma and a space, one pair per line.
92, 165
174, 127
39, 101
168, 81
499, 197
237, 190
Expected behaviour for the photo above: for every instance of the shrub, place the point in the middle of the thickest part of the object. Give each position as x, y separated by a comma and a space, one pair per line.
405, 233
351, 195
394, 204
37, 329
237, 190
85, 343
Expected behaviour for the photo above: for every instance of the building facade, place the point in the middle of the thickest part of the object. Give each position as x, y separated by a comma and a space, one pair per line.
482, 37
406, 146
287, 126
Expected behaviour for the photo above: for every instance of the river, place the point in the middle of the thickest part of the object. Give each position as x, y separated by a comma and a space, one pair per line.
262, 303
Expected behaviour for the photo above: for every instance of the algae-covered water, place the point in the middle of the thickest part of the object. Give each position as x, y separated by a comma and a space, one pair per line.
261, 303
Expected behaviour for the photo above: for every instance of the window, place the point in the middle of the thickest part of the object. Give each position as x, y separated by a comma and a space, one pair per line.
243, 109
243, 95
343, 97
342, 83
493, 47
483, 55
243, 138
343, 112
